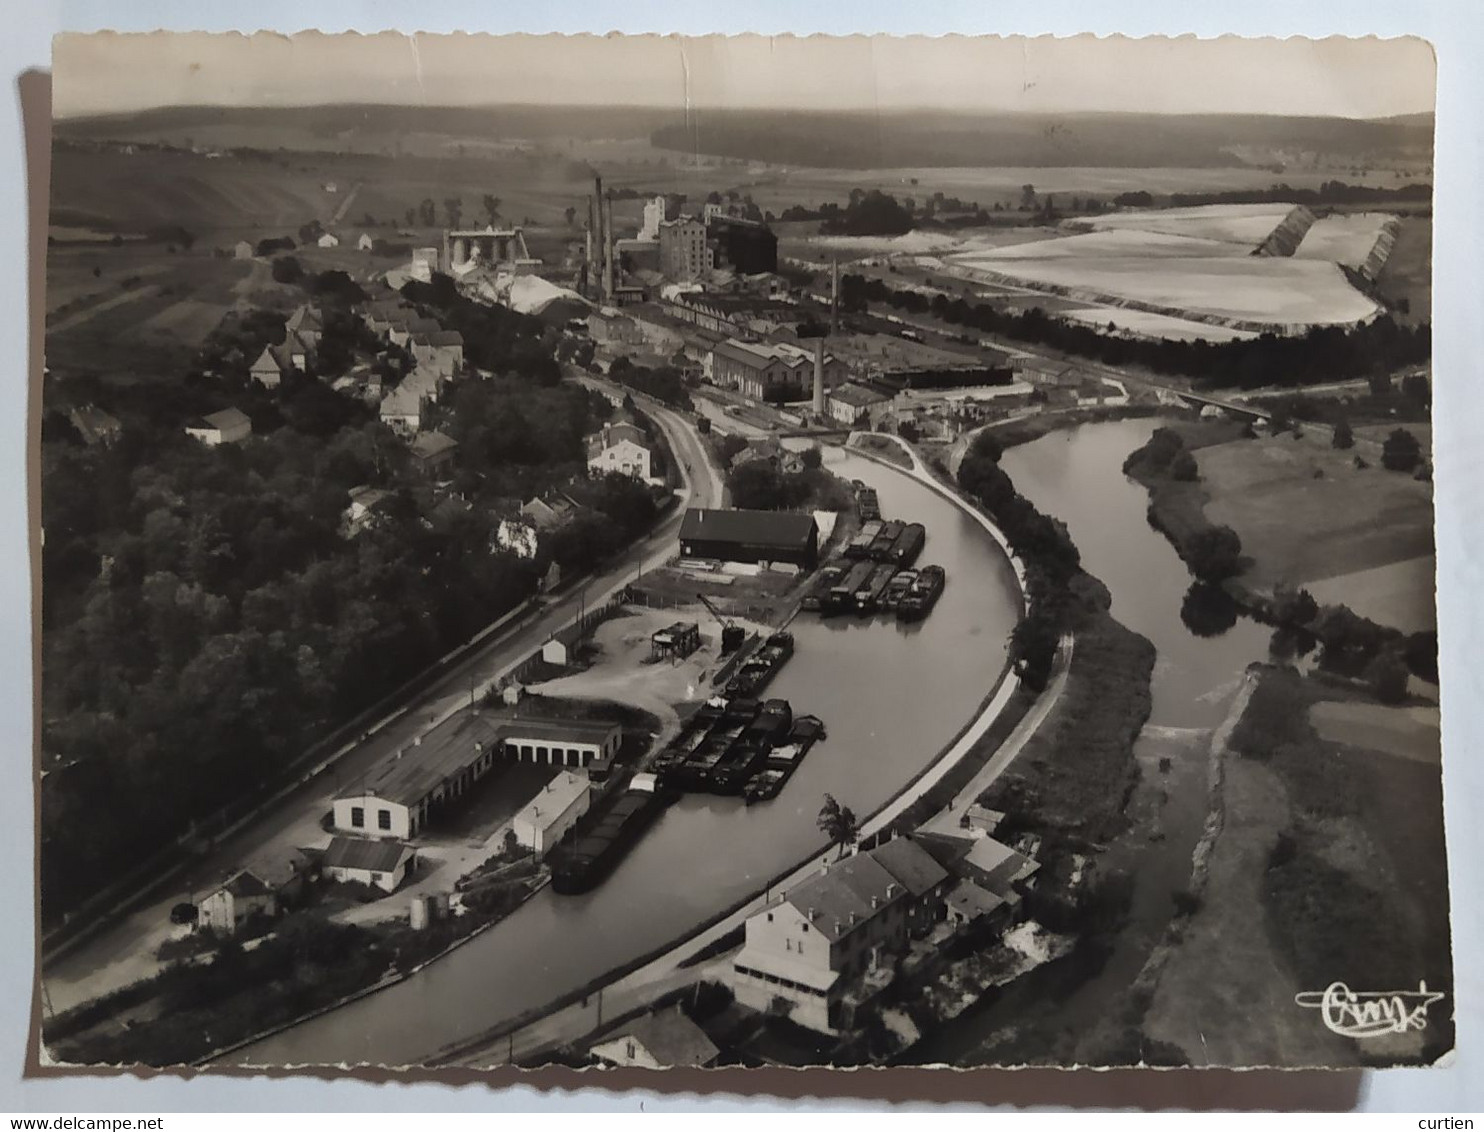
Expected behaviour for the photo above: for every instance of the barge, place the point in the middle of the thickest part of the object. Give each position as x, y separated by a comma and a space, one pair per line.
868, 593
760, 668
886, 538
841, 596
897, 589
918, 602
909, 545
813, 600
782, 761
600, 841
860, 545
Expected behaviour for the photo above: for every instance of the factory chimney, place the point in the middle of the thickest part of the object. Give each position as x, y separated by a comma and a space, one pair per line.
608, 265
819, 377
835, 295
587, 278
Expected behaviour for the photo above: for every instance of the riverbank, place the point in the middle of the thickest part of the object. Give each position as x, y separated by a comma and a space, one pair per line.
1327, 863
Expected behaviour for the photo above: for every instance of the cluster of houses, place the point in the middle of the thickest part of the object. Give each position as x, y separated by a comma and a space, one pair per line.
826, 949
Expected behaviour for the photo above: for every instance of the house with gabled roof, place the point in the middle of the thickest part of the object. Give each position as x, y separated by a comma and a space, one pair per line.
240, 896
307, 323
829, 944
365, 860
662, 1040
432, 452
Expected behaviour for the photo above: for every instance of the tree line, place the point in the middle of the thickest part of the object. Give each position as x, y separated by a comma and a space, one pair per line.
1324, 353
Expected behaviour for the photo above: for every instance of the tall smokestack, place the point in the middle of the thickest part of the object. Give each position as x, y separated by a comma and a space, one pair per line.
588, 273
608, 266
835, 295
819, 377
596, 260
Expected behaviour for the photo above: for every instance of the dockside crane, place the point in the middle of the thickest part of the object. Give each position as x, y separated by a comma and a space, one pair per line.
732, 634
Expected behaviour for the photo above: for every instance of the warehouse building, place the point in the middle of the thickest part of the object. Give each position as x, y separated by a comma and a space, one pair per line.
548, 816
439, 769
762, 537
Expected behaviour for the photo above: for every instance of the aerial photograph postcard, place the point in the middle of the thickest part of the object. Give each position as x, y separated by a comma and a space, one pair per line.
738, 552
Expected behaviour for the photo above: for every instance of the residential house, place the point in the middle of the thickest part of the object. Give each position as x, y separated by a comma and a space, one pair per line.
361, 860
366, 243
662, 1040
548, 512
432, 453
242, 249
267, 371
243, 895
364, 510
402, 409
547, 817
328, 240
997, 867
439, 350
831, 943
406, 325
854, 403
226, 427
95, 426
307, 324
622, 448
968, 903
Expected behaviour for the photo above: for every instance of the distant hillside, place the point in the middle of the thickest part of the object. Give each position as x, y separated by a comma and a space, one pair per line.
935, 139
356, 128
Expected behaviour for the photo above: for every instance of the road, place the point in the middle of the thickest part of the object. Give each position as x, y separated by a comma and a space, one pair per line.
124, 952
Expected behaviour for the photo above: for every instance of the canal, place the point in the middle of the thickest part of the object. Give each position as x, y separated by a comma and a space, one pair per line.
891, 695
1076, 476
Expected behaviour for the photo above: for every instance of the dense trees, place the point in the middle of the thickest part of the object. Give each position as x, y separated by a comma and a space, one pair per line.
496, 338
1214, 553
1326, 353
665, 384
838, 823
1043, 544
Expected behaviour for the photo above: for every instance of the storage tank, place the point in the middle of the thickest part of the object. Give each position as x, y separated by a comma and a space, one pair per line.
418, 916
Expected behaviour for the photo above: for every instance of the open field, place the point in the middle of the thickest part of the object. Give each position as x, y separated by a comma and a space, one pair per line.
1299, 526
1405, 282
1406, 732
1344, 237
173, 302
1245, 289
1118, 243
1400, 594
1248, 224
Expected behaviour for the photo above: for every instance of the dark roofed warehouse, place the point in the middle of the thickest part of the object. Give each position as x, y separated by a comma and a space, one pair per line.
750, 536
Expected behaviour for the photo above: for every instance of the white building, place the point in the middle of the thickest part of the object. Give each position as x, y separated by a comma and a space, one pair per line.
830, 944
360, 860
243, 895
329, 240
848, 403
408, 790
547, 817
402, 409
621, 448
654, 216
662, 1040
365, 243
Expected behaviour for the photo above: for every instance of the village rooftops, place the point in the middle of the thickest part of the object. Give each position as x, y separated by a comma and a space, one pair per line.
997, 865
445, 338
971, 901
364, 853
758, 354
861, 886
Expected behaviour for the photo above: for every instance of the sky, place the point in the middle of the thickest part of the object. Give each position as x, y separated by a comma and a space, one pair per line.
1360, 78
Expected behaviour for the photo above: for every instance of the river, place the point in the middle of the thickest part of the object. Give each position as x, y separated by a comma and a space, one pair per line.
1075, 475
891, 695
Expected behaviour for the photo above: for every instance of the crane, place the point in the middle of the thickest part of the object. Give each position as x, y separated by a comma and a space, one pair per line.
731, 634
